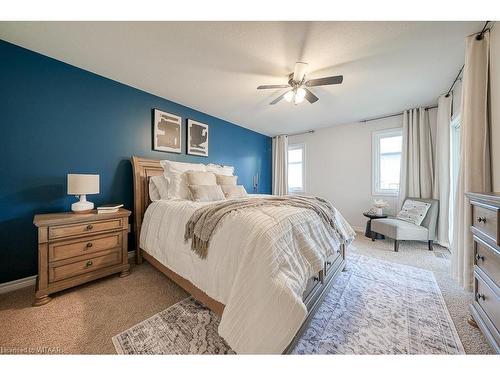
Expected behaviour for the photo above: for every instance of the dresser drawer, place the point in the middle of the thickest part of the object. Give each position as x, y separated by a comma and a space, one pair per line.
330, 261
58, 271
73, 248
485, 219
488, 299
61, 231
312, 284
487, 259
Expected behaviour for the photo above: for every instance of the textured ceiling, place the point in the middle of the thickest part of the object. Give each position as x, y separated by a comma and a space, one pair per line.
215, 67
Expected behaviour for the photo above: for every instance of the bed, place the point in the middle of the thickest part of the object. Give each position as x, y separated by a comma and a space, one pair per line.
266, 272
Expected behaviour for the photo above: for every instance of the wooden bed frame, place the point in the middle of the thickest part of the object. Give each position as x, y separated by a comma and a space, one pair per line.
318, 286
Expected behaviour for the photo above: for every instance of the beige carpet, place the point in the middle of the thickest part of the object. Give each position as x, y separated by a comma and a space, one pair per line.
83, 319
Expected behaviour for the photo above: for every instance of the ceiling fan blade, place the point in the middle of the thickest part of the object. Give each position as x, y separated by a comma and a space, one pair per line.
310, 97
278, 98
334, 80
300, 71
263, 87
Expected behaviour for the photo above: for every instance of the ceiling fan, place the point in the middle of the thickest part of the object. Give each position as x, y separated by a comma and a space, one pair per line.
298, 86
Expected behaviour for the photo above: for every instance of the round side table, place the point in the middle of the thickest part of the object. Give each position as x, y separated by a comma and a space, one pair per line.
368, 230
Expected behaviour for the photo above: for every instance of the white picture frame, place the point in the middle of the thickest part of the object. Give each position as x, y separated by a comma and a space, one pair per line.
167, 132
197, 138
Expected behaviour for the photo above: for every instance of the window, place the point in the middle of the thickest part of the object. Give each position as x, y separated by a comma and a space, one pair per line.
296, 161
386, 160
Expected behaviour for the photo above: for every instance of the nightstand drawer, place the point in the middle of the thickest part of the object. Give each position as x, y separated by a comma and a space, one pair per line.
59, 272
73, 248
84, 228
485, 219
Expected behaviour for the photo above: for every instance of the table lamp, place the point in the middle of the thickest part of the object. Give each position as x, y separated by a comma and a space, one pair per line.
81, 185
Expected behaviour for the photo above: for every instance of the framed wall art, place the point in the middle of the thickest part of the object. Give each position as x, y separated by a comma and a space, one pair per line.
197, 138
167, 134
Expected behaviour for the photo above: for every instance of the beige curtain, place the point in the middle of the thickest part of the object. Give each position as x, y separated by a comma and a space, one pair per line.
416, 157
280, 165
441, 189
475, 162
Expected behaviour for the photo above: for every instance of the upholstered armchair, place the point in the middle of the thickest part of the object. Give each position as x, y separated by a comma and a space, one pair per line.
401, 230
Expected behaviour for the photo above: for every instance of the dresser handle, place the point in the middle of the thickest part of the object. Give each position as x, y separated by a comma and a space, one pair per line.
316, 278
89, 263
90, 226
479, 257
328, 263
479, 219
89, 244
480, 296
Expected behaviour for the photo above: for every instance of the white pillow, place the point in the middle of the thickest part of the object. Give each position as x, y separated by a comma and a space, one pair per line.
158, 188
413, 211
175, 173
224, 170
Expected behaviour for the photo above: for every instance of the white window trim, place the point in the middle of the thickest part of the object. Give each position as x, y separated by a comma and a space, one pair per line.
376, 135
295, 147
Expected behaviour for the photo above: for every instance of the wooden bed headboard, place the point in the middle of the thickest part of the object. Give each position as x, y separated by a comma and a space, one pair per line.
142, 170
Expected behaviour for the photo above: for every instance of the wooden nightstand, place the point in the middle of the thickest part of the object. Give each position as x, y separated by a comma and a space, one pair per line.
76, 248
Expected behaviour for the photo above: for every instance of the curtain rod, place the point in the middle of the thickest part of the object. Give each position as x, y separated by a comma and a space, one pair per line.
479, 36
394, 115
300, 133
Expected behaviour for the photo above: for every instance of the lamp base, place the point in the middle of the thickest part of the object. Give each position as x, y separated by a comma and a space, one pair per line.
82, 206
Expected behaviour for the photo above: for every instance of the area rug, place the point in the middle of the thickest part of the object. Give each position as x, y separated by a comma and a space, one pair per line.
374, 307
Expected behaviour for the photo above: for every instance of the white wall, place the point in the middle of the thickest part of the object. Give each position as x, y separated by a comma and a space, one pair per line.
495, 104
339, 165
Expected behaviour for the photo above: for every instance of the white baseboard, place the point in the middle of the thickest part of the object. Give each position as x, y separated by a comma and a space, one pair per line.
31, 280
358, 229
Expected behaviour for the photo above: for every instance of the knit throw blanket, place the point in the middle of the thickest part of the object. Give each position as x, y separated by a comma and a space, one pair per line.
204, 221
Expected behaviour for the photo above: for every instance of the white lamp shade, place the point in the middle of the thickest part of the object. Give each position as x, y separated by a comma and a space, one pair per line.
80, 184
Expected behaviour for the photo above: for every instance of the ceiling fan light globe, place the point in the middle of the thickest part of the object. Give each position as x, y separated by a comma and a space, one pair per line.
301, 93
289, 96
298, 99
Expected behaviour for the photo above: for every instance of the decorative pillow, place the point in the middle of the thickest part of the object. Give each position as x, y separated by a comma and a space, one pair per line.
158, 188
176, 177
234, 191
413, 211
201, 178
224, 170
226, 180
206, 193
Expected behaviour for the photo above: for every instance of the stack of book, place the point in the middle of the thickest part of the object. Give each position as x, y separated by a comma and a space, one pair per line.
109, 208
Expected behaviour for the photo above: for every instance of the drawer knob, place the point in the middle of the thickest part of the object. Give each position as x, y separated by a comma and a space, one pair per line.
328, 263
89, 263
479, 257
89, 244
316, 278
479, 219
480, 296
90, 226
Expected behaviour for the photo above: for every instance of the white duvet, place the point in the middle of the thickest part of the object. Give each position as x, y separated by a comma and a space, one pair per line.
258, 264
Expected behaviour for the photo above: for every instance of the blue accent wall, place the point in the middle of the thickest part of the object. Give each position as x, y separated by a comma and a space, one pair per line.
57, 119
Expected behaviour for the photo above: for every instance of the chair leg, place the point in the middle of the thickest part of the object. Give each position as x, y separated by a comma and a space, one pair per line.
430, 245
396, 245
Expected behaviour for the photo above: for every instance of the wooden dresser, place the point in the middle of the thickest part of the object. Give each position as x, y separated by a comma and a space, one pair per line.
76, 248
485, 309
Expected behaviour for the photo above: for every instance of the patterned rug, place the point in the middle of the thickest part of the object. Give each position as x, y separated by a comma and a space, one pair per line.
375, 307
